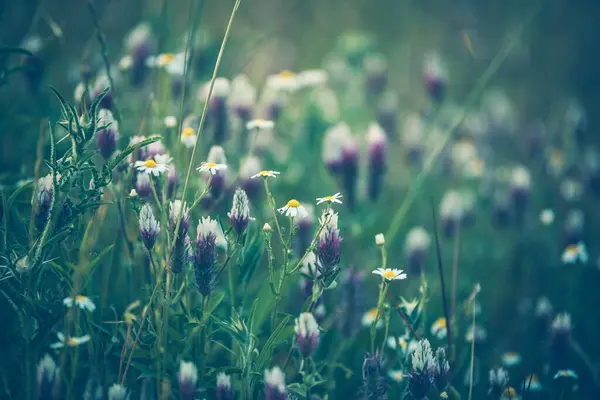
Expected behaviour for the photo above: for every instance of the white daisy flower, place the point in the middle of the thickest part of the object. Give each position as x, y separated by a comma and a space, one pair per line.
259, 124
574, 253
565, 373
125, 63
293, 209
173, 63
82, 302
188, 137
369, 317
211, 167
330, 199
285, 81
511, 359
390, 274
170, 121
72, 341
151, 166
396, 375
439, 328
265, 174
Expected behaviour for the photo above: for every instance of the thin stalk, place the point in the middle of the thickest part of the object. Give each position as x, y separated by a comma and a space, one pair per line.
383, 287
143, 320
410, 326
441, 272
155, 193
455, 272
165, 322
284, 273
472, 361
204, 113
274, 210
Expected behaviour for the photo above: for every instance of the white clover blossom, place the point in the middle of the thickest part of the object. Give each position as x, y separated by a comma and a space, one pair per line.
149, 226
118, 392
276, 379
306, 325
422, 357
188, 373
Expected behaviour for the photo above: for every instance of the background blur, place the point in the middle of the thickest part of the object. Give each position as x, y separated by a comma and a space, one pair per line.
556, 57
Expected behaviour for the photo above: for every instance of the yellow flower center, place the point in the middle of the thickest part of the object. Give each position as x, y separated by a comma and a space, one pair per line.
510, 392
533, 378
150, 164
188, 132
166, 59
440, 323
210, 164
293, 203
264, 173
398, 376
572, 249
72, 342
80, 298
286, 74
389, 274
372, 313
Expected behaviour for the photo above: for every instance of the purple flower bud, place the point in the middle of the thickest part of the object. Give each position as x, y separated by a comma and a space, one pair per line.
142, 185
218, 181
107, 137
435, 77
47, 379
249, 167
387, 109
349, 172
102, 83
416, 249
43, 196
334, 141
187, 378
441, 370
328, 246
176, 211
118, 392
560, 341
154, 149
377, 142
224, 389
139, 45
421, 378
240, 212
307, 334
412, 138
149, 226
374, 385
204, 257
275, 384
218, 111
352, 304
498, 380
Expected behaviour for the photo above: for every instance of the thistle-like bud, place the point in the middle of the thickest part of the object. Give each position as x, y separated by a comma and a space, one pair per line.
43, 200
102, 82
373, 379
240, 212
307, 334
275, 384
334, 141
177, 209
187, 378
421, 379
412, 138
435, 77
149, 226
204, 257
442, 370
142, 185
498, 380
118, 392
416, 249
377, 142
242, 97
47, 379
350, 172
108, 136
352, 304
560, 341
224, 389
328, 247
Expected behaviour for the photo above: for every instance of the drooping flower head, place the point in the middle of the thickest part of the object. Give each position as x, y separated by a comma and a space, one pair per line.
240, 212
149, 226
307, 334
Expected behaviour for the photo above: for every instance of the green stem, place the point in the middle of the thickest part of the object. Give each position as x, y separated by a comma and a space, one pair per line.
382, 292
156, 199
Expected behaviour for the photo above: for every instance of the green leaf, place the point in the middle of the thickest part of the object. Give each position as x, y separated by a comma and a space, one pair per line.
251, 256
130, 149
267, 350
265, 303
214, 301
298, 389
63, 106
92, 264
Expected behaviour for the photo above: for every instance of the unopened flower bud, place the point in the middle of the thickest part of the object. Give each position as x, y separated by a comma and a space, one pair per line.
204, 256
275, 384
44, 191
560, 341
435, 77
380, 239
187, 378
149, 226
240, 212
307, 334
143, 186
224, 389
377, 142
328, 247
107, 136
178, 210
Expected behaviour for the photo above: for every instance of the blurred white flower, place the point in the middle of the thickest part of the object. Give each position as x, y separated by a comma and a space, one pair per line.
82, 302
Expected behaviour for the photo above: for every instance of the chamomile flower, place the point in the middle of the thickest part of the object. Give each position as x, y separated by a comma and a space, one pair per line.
72, 341
82, 302
265, 174
439, 328
293, 209
188, 137
369, 317
390, 274
532, 383
152, 166
259, 124
396, 375
284, 81
173, 63
574, 253
211, 167
566, 373
511, 359
330, 199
